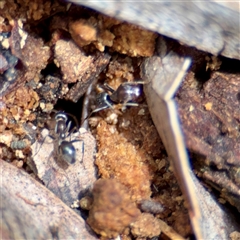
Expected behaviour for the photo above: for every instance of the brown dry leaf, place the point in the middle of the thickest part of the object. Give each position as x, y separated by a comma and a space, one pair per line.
68, 181
30, 211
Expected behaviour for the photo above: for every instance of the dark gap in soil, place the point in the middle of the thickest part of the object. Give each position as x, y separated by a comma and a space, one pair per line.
51, 69
203, 76
71, 108
229, 65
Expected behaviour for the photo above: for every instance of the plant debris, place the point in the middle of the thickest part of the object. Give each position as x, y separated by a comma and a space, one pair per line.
51, 52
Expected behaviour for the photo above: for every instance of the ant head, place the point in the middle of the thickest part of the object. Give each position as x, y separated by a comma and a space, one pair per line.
61, 116
61, 124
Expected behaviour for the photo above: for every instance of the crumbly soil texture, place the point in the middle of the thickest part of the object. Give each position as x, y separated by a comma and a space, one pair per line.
51, 54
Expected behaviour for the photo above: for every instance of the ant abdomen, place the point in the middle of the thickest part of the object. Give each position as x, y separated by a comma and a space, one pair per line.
62, 131
128, 93
67, 152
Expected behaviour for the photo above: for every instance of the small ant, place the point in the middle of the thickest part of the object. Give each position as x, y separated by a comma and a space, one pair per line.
65, 148
62, 131
127, 94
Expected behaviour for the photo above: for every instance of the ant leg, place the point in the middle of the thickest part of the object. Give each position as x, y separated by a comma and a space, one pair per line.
70, 132
85, 107
103, 101
109, 104
82, 153
106, 87
68, 128
75, 119
135, 82
129, 104
42, 142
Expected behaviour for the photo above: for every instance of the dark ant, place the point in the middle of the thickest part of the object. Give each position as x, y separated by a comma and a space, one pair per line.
127, 94
61, 132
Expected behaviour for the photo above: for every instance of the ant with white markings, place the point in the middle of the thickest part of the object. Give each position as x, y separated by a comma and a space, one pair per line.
65, 148
127, 94
62, 130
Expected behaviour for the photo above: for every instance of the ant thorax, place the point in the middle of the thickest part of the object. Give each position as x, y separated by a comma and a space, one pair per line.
61, 127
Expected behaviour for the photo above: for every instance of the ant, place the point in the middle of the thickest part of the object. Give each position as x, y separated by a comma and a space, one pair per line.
127, 94
62, 131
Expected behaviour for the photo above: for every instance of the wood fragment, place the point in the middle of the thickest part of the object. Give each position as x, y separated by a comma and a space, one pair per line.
212, 133
165, 76
78, 90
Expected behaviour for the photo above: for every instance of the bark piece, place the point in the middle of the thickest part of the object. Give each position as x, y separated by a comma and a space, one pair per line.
32, 51
217, 222
73, 61
210, 121
99, 64
33, 54
213, 27
30, 211
164, 75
